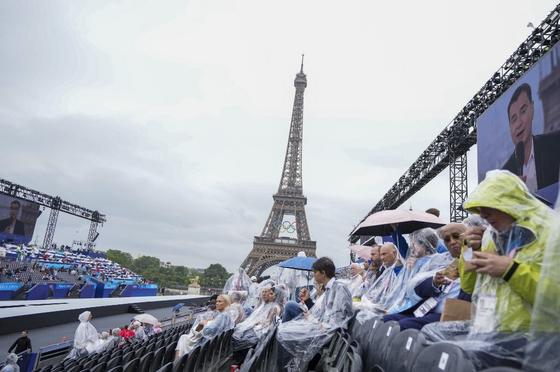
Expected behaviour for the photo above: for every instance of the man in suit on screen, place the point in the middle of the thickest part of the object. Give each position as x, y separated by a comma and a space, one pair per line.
12, 225
536, 158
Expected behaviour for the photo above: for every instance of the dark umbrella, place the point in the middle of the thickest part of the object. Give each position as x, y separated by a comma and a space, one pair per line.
379, 224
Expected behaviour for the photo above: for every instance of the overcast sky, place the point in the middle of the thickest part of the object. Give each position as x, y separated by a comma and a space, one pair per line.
171, 117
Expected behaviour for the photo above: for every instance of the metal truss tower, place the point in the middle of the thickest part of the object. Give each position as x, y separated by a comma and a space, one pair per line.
271, 248
56, 204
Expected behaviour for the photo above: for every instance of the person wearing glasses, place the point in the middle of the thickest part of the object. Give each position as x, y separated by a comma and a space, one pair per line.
437, 286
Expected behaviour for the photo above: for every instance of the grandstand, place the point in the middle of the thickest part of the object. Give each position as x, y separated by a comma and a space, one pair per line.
35, 273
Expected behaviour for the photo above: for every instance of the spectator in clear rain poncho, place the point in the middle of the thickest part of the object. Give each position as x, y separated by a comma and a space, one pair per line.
428, 291
11, 363
205, 329
422, 262
249, 332
501, 266
394, 293
545, 323
86, 338
114, 340
387, 278
253, 295
356, 282
139, 333
238, 281
265, 283
236, 310
301, 338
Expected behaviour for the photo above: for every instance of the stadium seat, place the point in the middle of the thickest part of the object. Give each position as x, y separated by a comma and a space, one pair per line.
159, 343
166, 368
353, 360
383, 337
333, 359
76, 368
104, 358
213, 352
116, 369
145, 362
201, 360
90, 364
128, 357
501, 369
328, 353
113, 362
403, 350
132, 365
443, 357
191, 360
100, 367
158, 357
116, 352
354, 327
368, 347
140, 352
169, 353
369, 327
151, 346
179, 364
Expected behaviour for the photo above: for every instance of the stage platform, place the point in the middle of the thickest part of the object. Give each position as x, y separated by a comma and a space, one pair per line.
18, 315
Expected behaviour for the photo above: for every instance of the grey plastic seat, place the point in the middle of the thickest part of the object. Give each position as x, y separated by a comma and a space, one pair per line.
443, 357
403, 350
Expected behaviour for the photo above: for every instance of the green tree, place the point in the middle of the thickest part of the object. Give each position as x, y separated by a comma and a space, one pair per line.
215, 276
124, 259
144, 263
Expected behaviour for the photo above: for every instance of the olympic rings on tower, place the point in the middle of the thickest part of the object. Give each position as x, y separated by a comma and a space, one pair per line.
286, 226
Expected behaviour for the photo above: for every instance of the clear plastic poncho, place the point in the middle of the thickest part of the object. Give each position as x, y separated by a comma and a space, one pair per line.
255, 328
302, 337
356, 283
396, 292
294, 280
220, 323
428, 267
11, 363
374, 298
253, 295
216, 323
239, 281
544, 340
485, 350
86, 336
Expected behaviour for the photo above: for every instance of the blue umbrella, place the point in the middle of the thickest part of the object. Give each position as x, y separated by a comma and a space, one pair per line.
298, 263
178, 306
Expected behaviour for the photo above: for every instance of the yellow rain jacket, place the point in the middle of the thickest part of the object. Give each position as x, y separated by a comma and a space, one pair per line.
516, 290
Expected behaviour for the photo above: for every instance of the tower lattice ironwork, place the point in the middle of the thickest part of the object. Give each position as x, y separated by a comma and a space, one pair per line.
287, 217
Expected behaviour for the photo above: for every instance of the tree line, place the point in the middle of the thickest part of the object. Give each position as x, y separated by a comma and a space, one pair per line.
214, 276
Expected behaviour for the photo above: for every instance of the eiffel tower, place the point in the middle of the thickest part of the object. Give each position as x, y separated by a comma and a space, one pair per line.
287, 216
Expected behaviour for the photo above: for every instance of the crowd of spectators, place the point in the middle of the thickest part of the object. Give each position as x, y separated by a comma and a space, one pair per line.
493, 259
36, 265
88, 341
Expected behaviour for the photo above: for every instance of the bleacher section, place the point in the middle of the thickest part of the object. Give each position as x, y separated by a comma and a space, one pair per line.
373, 346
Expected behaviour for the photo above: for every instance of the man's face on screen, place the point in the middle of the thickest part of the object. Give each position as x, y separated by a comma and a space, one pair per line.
521, 115
14, 210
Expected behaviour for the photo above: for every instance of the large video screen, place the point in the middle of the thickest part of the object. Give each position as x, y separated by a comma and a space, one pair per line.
520, 132
17, 220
